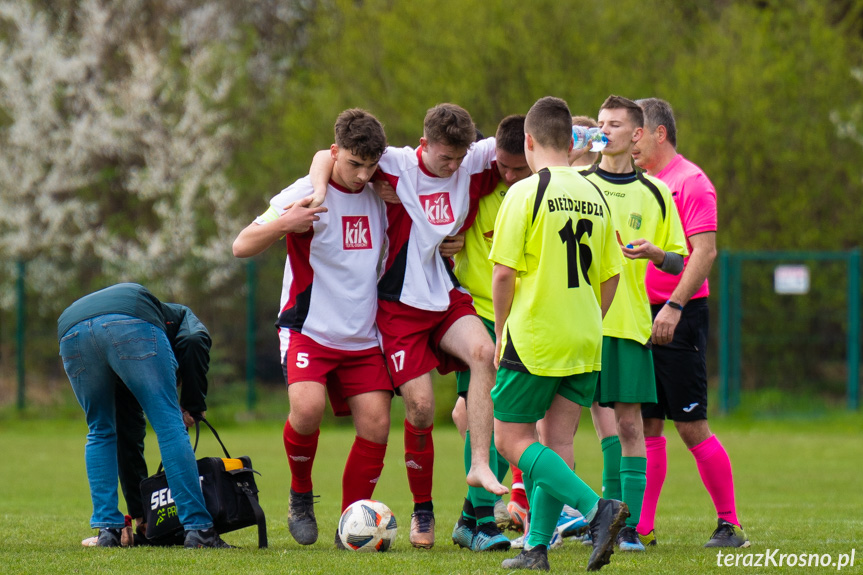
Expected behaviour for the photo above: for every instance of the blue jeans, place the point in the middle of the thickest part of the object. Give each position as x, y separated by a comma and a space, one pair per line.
113, 349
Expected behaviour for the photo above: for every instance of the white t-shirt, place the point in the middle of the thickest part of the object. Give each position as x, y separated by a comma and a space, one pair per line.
431, 209
329, 289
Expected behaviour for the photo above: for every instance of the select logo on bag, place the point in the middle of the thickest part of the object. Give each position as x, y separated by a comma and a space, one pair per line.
356, 233
437, 208
162, 499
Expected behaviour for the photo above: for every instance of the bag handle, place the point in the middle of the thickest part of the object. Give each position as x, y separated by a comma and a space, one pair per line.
198, 436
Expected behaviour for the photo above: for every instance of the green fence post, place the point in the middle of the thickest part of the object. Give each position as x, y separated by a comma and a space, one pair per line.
251, 285
724, 341
19, 331
736, 337
854, 329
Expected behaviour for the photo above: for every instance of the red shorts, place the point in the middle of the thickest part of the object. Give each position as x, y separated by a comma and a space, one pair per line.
344, 373
411, 336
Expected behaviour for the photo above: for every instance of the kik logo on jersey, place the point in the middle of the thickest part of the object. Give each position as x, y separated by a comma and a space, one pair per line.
356, 233
437, 208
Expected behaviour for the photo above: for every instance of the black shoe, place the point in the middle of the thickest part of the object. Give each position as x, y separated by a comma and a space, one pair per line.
201, 538
339, 544
301, 518
108, 537
628, 540
728, 535
536, 559
610, 517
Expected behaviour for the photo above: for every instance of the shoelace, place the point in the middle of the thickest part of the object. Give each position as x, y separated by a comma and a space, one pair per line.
423, 522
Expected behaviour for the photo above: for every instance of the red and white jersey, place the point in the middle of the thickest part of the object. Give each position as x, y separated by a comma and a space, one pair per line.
329, 292
431, 209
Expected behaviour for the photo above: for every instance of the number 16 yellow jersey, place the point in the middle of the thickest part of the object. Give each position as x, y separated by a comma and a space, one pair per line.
555, 229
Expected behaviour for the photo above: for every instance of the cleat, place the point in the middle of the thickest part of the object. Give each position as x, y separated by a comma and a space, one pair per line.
517, 516
628, 540
571, 526
108, 537
555, 542
422, 529
518, 542
728, 535
585, 539
301, 518
610, 517
536, 559
501, 515
204, 538
489, 538
339, 544
89, 541
649, 539
462, 534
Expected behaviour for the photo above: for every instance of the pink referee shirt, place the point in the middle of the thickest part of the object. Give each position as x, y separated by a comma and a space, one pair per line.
695, 198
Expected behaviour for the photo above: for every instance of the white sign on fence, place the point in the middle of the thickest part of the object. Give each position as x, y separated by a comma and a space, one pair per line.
791, 279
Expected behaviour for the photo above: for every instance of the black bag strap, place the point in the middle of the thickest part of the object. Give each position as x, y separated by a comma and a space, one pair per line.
259, 517
198, 436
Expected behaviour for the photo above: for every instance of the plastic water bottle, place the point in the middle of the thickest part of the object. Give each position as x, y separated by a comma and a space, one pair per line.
582, 136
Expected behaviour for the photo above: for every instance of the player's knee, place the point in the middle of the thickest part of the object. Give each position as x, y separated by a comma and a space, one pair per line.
629, 429
305, 419
480, 355
693, 432
420, 412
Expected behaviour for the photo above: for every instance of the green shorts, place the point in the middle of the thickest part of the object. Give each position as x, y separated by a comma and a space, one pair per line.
462, 378
524, 398
627, 373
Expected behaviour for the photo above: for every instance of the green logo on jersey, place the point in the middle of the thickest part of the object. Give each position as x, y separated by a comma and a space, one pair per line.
635, 221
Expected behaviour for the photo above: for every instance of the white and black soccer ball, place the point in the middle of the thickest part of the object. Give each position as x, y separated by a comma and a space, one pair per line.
367, 525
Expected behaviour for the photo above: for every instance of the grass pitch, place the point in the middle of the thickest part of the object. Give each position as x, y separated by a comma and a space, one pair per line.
798, 490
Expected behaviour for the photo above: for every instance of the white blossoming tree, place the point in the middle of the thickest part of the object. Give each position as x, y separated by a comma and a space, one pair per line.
117, 127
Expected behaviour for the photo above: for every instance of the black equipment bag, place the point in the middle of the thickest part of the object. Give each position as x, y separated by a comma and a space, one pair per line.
230, 494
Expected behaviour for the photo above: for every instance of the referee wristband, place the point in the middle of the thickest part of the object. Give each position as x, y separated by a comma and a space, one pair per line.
674, 305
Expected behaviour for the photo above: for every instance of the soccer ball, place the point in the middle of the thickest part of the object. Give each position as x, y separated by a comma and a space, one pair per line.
367, 525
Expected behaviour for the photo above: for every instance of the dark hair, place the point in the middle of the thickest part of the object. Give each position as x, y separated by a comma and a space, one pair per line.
550, 123
510, 135
633, 110
659, 113
450, 125
585, 121
361, 133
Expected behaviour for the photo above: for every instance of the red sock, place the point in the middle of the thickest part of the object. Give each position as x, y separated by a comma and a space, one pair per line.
715, 469
362, 470
300, 450
657, 467
419, 460
517, 492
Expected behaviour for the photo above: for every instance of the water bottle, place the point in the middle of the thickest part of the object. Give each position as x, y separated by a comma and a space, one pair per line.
582, 136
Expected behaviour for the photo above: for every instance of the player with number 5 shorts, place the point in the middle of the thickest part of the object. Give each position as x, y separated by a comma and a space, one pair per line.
329, 342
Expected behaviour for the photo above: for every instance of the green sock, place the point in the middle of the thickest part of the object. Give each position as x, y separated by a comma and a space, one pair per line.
611, 455
502, 463
633, 477
482, 500
545, 511
551, 474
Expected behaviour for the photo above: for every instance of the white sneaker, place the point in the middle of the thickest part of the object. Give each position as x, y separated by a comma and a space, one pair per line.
556, 541
90, 541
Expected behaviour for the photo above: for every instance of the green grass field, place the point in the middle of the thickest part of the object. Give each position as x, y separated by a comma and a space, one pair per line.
798, 490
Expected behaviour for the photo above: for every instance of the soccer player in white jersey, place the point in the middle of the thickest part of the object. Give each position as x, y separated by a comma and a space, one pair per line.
329, 342
426, 320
